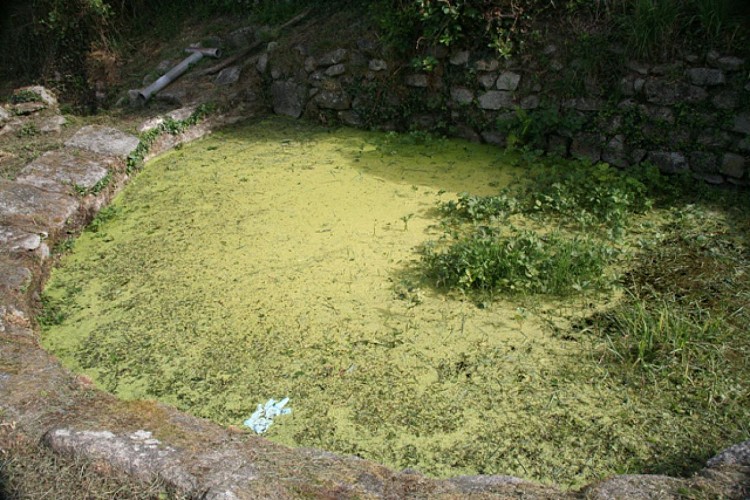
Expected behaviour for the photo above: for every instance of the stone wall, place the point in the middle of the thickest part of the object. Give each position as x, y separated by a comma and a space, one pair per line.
692, 115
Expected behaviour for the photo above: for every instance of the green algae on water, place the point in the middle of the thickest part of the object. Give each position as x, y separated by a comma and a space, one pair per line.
276, 260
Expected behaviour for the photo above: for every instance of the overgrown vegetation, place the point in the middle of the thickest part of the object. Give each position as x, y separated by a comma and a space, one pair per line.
679, 335
167, 126
521, 262
75, 43
652, 364
487, 257
30, 470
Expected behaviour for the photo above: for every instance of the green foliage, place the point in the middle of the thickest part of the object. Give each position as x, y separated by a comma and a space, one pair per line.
105, 215
27, 130
579, 192
482, 208
659, 334
533, 127
598, 199
24, 95
523, 262
169, 126
655, 29
588, 194
486, 25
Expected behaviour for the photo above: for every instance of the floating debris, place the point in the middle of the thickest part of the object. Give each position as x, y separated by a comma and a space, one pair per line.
263, 417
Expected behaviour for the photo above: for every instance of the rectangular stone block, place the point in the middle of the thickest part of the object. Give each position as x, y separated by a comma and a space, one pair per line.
21, 204
105, 141
66, 170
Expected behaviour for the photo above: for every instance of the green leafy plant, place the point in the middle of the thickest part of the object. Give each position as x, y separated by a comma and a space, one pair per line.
533, 127
24, 95
482, 208
522, 262
27, 130
170, 126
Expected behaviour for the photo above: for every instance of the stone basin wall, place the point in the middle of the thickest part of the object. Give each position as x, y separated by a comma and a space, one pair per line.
691, 115
56, 195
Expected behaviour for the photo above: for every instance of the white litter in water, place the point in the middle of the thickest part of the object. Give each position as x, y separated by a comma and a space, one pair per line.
263, 417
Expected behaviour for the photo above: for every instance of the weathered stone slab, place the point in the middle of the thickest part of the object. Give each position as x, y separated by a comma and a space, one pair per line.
635, 487
584, 104
530, 102
228, 76
496, 99
730, 63
328, 99
668, 162
13, 320
614, 152
741, 124
494, 137
706, 77
333, 57
335, 70
45, 210
487, 80
138, 453
638, 67
508, 80
738, 454
351, 118
241, 37
52, 124
289, 98
27, 108
459, 58
588, 146
377, 65
726, 100
65, 170
418, 80
262, 64
487, 65
733, 165
104, 141
14, 276
4, 115
14, 239
462, 95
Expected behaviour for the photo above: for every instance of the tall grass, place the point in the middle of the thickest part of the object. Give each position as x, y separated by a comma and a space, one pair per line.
651, 28
656, 29
658, 334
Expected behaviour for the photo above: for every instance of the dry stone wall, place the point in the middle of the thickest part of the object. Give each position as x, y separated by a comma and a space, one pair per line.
692, 115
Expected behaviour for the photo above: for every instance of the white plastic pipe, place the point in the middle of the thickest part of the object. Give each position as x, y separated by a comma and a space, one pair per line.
196, 54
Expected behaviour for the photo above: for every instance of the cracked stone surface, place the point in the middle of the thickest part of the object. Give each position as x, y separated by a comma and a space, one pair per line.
15, 239
62, 170
15, 277
104, 140
138, 454
28, 204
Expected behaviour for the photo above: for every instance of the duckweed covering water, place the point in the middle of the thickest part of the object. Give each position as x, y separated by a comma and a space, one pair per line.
276, 260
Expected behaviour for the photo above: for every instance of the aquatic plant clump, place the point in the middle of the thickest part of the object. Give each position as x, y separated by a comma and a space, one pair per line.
522, 262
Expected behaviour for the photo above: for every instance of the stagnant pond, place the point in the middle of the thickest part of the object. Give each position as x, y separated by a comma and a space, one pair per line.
277, 259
